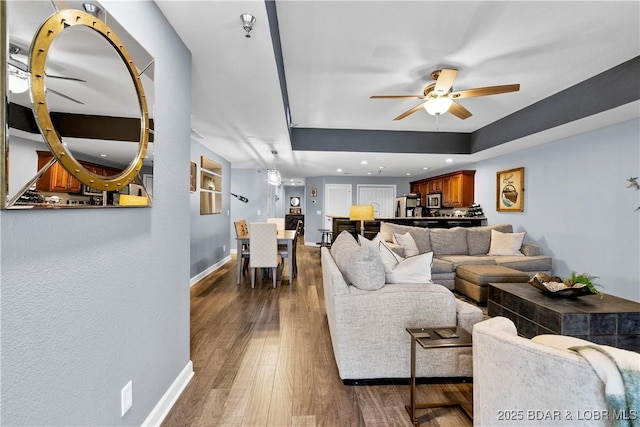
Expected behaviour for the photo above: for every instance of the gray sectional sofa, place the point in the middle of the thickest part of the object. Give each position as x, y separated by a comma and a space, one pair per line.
368, 317
464, 246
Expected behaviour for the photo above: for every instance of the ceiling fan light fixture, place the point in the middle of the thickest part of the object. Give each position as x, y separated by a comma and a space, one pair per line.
91, 9
438, 105
247, 23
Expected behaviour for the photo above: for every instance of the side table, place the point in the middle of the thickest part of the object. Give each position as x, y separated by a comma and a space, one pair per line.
429, 338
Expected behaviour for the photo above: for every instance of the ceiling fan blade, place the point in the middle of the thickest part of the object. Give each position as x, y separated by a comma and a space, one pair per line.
75, 79
484, 91
396, 97
445, 81
65, 96
408, 112
17, 64
459, 111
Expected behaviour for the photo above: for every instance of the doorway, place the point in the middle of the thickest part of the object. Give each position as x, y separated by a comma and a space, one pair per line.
381, 197
337, 202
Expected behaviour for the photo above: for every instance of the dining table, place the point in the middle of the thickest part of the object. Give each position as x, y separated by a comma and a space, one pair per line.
284, 237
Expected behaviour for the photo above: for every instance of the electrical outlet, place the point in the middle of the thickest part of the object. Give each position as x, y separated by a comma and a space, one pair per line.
258, 211
224, 248
126, 398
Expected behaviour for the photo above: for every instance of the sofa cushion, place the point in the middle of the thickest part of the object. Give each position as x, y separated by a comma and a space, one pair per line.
407, 243
525, 263
458, 260
420, 234
479, 238
451, 241
413, 269
360, 265
440, 266
506, 243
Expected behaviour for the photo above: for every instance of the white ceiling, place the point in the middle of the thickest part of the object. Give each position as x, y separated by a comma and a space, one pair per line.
338, 53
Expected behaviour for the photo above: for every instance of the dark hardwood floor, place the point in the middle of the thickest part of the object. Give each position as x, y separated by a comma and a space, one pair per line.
263, 357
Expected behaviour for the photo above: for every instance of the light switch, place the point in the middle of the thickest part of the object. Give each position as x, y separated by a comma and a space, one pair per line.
318, 212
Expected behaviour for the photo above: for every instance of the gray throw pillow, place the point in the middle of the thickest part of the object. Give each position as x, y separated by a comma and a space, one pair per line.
479, 238
361, 266
452, 241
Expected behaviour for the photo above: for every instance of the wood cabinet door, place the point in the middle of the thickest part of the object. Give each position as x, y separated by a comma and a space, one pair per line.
435, 186
59, 179
446, 192
455, 191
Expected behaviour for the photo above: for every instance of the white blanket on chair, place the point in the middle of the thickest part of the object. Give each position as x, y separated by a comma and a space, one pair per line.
619, 370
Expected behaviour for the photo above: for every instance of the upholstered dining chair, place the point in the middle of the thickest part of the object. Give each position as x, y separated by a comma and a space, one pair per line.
242, 231
279, 222
263, 241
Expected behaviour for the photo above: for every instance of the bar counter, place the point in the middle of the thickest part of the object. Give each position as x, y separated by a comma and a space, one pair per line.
371, 228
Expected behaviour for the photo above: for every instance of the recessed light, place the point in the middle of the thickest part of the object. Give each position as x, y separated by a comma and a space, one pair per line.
380, 167
425, 168
449, 160
368, 173
103, 155
408, 173
338, 170
364, 162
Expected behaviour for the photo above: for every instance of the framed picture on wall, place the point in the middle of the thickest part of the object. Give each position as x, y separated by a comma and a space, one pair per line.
510, 190
314, 192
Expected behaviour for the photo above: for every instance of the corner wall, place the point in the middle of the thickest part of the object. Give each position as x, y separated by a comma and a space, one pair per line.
577, 206
91, 299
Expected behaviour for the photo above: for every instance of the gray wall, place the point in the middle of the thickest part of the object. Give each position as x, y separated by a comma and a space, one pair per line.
209, 233
315, 215
252, 184
577, 206
91, 299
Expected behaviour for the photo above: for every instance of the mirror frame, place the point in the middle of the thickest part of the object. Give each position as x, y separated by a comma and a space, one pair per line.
106, 185
45, 36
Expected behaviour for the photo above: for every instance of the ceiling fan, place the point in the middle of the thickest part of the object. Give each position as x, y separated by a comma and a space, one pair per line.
439, 97
19, 75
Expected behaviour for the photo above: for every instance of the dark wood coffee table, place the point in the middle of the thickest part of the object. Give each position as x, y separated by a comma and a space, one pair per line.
432, 338
610, 321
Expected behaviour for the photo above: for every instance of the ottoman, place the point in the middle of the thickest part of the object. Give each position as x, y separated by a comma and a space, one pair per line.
472, 280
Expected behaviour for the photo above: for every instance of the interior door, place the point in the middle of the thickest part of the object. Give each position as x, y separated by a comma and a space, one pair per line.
337, 202
380, 196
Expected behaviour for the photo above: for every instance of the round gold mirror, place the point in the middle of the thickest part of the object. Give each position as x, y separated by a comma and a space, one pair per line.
41, 45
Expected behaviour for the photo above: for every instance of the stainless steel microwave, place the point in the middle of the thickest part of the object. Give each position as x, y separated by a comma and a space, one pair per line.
434, 201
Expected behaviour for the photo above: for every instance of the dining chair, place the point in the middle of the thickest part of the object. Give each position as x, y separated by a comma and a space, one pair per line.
299, 228
263, 241
279, 222
242, 231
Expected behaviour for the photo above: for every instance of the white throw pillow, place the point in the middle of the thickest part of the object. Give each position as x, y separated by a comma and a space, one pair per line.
506, 243
414, 269
408, 244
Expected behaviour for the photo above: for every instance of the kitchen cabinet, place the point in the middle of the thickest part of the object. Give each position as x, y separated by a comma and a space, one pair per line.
56, 179
457, 188
435, 185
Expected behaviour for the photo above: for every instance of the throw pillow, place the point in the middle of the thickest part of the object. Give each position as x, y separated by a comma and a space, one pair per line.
452, 241
506, 243
374, 242
408, 244
414, 269
479, 238
361, 266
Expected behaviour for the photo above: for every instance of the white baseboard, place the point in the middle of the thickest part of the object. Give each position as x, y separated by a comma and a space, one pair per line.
195, 279
167, 401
